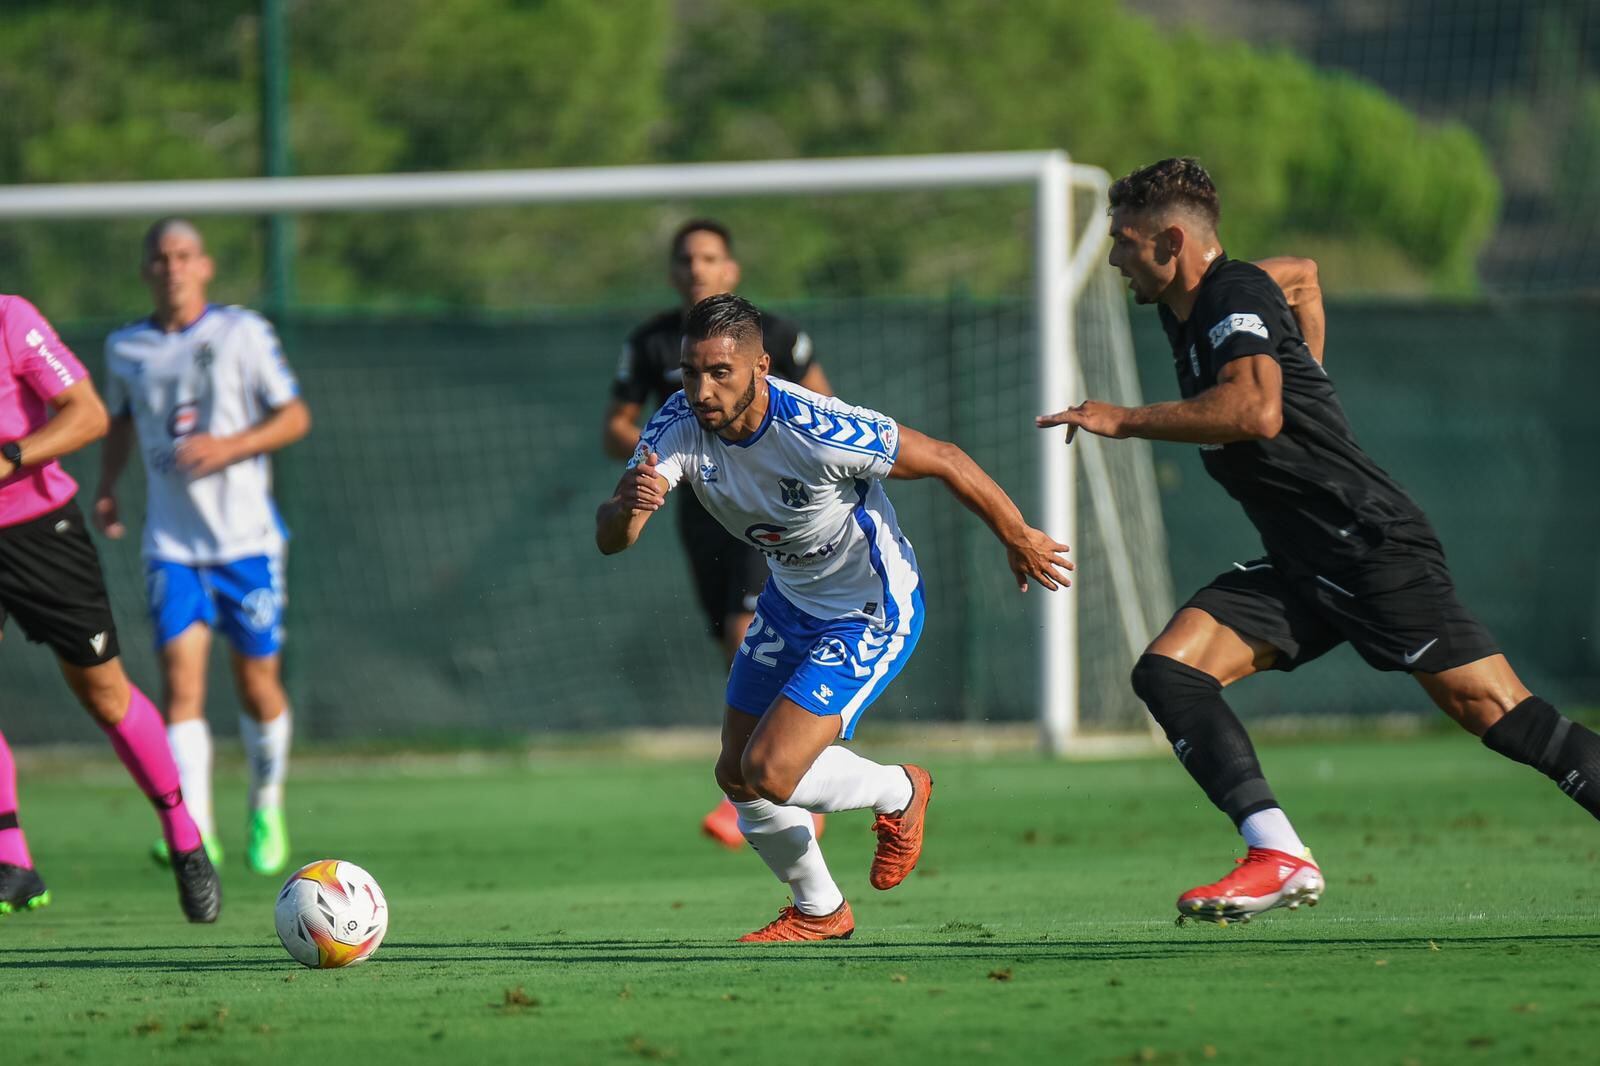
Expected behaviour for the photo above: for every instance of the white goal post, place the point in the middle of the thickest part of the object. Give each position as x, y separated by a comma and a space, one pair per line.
1064, 259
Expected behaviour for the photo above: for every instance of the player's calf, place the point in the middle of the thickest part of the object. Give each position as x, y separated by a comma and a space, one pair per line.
1206, 736
1535, 734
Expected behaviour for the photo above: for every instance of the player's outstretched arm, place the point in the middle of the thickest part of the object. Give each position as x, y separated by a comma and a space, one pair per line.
1297, 277
113, 460
621, 519
1246, 403
201, 454
1031, 553
80, 419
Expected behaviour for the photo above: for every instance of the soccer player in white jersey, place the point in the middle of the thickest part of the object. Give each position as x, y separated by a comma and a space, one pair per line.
209, 395
799, 475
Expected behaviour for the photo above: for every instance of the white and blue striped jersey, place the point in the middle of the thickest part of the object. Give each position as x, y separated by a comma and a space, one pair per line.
223, 374
806, 489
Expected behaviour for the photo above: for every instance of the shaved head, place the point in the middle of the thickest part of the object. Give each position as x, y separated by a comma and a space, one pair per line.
175, 227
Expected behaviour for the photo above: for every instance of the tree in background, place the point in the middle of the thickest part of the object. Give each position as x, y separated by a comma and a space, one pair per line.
106, 90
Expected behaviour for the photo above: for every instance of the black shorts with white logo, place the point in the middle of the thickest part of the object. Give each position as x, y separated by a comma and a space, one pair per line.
728, 574
51, 583
1397, 607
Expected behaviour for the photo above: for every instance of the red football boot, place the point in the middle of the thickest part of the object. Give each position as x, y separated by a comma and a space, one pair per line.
1260, 881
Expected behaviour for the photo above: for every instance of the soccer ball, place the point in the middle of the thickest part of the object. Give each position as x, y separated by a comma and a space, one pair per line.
331, 914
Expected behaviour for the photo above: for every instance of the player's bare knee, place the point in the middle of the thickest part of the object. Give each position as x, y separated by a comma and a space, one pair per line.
729, 778
767, 779
105, 699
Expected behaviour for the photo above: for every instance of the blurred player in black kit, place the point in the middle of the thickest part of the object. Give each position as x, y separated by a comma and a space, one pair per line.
1350, 557
728, 574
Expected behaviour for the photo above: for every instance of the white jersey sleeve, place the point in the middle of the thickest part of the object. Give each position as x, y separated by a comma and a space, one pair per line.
267, 372
674, 435
855, 443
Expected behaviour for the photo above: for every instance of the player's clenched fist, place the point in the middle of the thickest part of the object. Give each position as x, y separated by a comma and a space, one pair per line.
642, 488
1035, 554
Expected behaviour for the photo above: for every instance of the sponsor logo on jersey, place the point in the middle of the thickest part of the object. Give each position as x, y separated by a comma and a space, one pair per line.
794, 493
35, 340
1237, 323
763, 535
830, 651
823, 694
708, 471
98, 643
184, 420
1194, 361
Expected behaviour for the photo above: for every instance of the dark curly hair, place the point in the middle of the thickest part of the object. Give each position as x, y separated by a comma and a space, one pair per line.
724, 315
1176, 182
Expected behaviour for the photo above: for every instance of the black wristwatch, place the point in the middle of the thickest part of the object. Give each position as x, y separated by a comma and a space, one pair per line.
12, 453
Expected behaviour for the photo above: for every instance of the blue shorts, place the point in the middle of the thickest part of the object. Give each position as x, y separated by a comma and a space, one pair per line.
835, 666
243, 599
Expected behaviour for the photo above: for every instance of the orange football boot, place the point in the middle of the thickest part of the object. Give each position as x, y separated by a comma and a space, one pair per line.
792, 925
900, 835
722, 825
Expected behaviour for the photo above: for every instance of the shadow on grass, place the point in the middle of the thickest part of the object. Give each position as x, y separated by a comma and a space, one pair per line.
197, 958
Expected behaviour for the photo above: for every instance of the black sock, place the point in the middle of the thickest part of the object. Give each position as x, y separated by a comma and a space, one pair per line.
1537, 735
1206, 736
8, 820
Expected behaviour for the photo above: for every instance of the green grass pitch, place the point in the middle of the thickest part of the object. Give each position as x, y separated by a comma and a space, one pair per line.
565, 910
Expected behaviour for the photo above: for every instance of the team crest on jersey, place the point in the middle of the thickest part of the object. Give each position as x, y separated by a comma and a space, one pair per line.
794, 493
204, 357
708, 471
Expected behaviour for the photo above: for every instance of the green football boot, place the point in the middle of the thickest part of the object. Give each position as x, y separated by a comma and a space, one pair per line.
162, 857
267, 848
21, 889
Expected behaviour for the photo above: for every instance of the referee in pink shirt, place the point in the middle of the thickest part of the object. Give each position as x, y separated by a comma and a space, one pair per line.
51, 585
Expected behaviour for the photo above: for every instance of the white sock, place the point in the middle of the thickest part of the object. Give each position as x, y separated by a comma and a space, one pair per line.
841, 780
786, 841
266, 749
1271, 829
191, 749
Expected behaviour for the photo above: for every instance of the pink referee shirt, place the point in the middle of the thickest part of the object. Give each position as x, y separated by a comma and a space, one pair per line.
34, 367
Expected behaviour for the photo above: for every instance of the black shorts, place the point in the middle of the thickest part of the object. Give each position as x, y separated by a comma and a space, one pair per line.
50, 582
1397, 608
728, 574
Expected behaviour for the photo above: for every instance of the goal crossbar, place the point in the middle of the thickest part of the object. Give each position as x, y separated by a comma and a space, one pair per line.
1061, 265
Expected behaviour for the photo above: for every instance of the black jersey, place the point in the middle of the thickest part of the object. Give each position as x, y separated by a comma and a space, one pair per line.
651, 356
1311, 492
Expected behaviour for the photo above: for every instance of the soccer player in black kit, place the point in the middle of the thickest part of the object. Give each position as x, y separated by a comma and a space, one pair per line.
728, 574
1350, 557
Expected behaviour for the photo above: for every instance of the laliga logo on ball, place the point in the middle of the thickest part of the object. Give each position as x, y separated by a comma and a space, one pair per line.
331, 914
